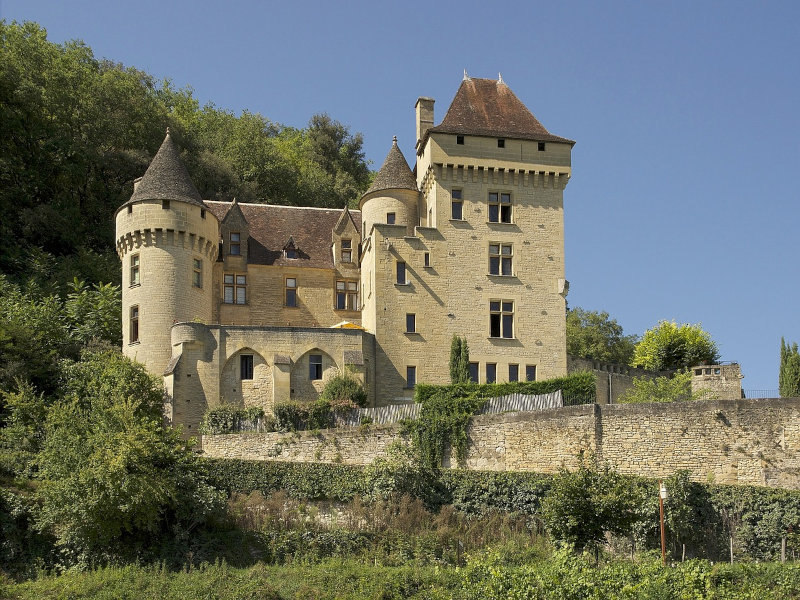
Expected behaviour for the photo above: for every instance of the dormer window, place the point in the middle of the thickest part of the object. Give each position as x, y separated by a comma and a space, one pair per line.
290, 250
347, 251
291, 253
236, 244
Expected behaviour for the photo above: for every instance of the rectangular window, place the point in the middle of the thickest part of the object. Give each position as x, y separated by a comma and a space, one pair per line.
202, 213
235, 289
130, 209
491, 372
457, 205
500, 259
501, 143
347, 251
411, 377
390, 218
246, 366
134, 325
401, 272
411, 323
315, 367
530, 372
165, 204
427, 259
501, 319
499, 207
236, 244
197, 273
135, 270
460, 140
473, 372
347, 295
291, 292
513, 372
541, 146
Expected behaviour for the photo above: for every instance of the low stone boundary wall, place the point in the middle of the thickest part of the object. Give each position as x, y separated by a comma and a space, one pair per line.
746, 441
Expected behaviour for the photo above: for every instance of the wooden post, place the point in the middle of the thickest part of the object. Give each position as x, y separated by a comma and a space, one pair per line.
661, 494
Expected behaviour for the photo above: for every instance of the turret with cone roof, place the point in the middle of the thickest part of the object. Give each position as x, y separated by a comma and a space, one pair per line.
168, 241
393, 196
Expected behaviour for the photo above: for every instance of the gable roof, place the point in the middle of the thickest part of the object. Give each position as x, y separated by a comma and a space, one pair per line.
394, 174
489, 108
344, 219
166, 178
270, 226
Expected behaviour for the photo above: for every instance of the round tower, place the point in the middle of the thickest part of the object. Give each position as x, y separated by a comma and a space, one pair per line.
393, 195
168, 241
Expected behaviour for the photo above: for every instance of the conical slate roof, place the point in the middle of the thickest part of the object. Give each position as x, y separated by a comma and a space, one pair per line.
394, 174
489, 108
167, 178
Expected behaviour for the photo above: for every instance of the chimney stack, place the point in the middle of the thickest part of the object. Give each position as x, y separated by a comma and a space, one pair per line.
424, 108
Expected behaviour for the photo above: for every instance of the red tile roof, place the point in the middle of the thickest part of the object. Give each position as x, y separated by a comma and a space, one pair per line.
489, 108
271, 226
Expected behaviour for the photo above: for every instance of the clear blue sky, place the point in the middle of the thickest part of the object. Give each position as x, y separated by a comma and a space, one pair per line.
682, 203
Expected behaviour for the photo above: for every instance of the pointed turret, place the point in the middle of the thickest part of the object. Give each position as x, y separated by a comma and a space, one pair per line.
166, 178
394, 174
392, 197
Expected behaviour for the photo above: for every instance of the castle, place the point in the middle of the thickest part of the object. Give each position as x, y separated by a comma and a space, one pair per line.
253, 304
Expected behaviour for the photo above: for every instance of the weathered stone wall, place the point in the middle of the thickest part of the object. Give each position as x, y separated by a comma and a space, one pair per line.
755, 442
612, 380
721, 382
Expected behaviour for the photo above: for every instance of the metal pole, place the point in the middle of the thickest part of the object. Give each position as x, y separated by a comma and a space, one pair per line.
661, 495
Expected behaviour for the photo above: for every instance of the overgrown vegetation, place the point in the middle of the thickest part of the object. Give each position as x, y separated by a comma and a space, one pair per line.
447, 409
228, 419
669, 346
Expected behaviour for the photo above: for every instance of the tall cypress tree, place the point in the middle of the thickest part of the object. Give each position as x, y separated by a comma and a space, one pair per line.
789, 375
459, 360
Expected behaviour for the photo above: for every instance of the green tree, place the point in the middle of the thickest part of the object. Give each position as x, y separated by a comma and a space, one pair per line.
581, 506
592, 334
661, 389
789, 374
94, 312
114, 478
672, 346
459, 360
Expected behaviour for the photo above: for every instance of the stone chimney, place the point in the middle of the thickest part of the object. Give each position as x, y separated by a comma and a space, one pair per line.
424, 108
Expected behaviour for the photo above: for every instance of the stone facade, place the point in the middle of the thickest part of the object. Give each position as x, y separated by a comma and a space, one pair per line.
754, 442
612, 380
721, 382
245, 304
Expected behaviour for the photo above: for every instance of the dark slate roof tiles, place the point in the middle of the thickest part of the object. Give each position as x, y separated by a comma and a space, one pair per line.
166, 178
394, 174
271, 226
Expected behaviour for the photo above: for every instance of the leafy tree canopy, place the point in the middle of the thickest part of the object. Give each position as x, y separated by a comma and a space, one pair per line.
672, 346
592, 334
78, 130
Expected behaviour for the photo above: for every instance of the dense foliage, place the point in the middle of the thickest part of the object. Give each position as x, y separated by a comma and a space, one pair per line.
229, 419
670, 346
344, 392
789, 373
592, 334
677, 388
77, 130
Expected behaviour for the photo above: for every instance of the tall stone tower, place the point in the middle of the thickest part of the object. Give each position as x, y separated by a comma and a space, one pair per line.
168, 241
480, 255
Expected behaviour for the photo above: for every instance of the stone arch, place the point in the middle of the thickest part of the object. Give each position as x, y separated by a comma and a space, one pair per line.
303, 386
247, 392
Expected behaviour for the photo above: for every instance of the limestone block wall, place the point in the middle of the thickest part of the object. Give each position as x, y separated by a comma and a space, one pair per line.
754, 442
612, 380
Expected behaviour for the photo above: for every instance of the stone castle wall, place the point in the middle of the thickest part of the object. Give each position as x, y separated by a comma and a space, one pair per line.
754, 442
612, 380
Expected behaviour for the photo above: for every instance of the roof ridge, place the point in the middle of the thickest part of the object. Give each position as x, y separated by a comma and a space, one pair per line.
279, 205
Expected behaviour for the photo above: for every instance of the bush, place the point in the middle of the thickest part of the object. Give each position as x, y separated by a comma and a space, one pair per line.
344, 392
227, 419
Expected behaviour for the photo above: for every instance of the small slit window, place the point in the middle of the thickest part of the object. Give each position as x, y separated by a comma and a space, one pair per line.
411, 323
134, 324
291, 292
246, 366
460, 140
401, 273
411, 377
501, 143
165, 204
390, 218
236, 244
541, 146
315, 367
